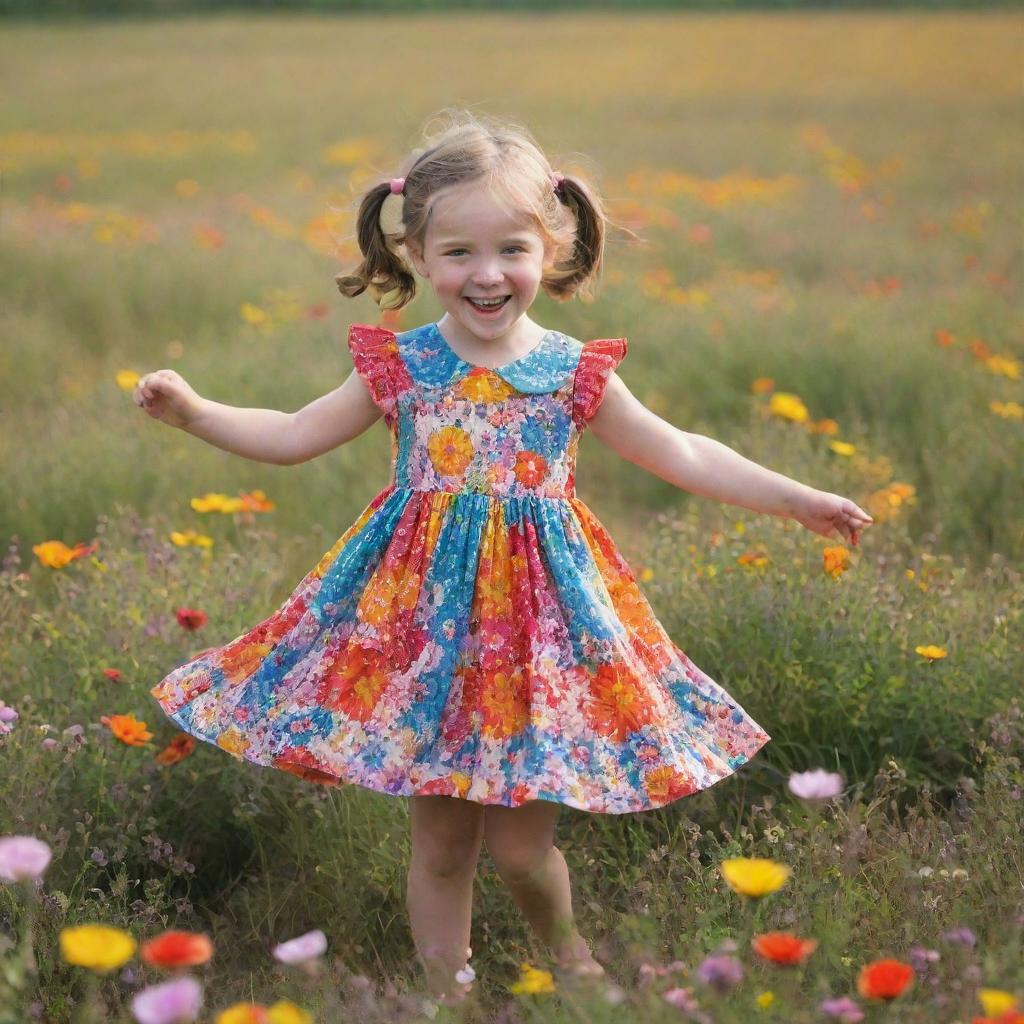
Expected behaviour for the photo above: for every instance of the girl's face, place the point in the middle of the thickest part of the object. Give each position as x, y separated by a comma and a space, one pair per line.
476, 249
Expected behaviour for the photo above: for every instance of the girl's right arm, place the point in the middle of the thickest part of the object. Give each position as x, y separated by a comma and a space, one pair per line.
264, 435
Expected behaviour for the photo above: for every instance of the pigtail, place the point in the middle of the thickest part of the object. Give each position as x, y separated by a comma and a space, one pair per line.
575, 274
383, 272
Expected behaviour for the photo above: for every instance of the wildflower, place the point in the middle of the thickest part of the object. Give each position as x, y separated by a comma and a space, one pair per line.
285, 1012
681, 998
242, 1013
174, 1002
765, 999
1008, 410
962, 935
783, 947
816, 785
884, 979
842, 447
305, 947
177, 949
190, 618
532, 980
113, 674
56, 554
127, 728
721, 972
843, 1009
835, 560
96, 946
186, 188
930, 651
754, 876
126, 379
944, 338
7, 716
23, 858
788, 407
995, 1001
183, 538
762, 385
180, 747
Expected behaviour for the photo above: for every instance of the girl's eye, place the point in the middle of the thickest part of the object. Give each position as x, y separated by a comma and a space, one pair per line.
508, 248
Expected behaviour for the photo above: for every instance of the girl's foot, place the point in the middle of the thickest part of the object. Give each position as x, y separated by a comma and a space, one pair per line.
577, 961
457, 993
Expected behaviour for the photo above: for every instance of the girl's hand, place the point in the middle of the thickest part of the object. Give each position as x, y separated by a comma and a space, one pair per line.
831, 515
167, 397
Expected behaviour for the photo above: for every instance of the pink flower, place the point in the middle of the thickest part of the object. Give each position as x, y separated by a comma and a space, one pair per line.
174, 1002
305, 947
816, 785
23, 857
843, 1009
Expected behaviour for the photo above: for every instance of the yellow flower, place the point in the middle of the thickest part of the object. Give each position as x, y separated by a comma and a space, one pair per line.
765, 999
253, 314
183, 539
284, 1012
531, 980
754, 876
126, 379
351, 151
1004, 365
1008, 410
841, 447
242, 1013
450, 450
186, 188
930, 651
646, 574
788, 406
996, 1001
96, 946
218, 503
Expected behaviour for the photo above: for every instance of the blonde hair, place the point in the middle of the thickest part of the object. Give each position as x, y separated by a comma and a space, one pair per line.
504, 156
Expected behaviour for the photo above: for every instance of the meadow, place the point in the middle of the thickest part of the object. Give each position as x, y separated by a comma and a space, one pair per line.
822, 269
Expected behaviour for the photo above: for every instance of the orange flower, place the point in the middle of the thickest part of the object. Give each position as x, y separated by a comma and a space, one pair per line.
113, 673
530, 468
762, 385
177, 949
127, 728
56, 554
783, 947
884, 979
190, 618
944, 338
836, 560
180, 747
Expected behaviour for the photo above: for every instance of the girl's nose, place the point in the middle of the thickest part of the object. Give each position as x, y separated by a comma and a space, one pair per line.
488, 273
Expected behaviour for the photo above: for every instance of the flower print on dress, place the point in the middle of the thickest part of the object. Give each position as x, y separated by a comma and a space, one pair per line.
475, 633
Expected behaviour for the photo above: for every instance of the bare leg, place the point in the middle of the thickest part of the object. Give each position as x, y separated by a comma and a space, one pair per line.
520, 841
446, 837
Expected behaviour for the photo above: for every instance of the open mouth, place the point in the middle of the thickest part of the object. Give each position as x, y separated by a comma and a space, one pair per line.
488, 305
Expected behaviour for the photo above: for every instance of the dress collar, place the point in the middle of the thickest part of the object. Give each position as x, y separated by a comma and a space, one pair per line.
432, 362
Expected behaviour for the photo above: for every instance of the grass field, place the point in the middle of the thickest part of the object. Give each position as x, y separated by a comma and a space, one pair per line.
829, 208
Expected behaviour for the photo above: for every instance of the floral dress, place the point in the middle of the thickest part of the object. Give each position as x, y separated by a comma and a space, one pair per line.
475, 633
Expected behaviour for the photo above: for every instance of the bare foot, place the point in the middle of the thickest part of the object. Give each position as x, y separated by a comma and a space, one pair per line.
453, 995
577, 961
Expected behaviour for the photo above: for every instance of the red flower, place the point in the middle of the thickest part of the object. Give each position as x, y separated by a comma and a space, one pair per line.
113, 673
177, 949
191, 618
783, 947
181, 746
884, 979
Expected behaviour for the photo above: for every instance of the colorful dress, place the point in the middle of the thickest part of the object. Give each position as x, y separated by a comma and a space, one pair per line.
475, 633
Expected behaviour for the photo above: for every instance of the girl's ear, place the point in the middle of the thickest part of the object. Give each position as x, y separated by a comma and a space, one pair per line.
416, 255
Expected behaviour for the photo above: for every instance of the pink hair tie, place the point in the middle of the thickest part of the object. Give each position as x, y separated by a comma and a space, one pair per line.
397, 186
556, 180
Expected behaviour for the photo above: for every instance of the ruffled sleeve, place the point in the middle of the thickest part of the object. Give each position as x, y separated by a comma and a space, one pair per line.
377, 360
597, 362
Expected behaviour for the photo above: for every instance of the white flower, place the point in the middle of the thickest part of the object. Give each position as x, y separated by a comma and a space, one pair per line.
816, 785
305, 947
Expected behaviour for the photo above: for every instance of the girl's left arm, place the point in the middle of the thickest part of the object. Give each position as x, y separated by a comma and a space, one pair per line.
708, 468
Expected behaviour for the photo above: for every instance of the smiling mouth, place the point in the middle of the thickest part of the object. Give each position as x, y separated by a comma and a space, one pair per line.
488, 305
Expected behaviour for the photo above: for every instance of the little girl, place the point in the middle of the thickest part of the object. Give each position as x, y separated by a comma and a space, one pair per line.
475, 640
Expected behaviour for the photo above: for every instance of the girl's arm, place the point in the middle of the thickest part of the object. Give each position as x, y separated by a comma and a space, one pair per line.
264, 435
706, 467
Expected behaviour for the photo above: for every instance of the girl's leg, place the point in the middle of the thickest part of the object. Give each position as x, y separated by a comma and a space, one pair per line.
520, 841
446, 837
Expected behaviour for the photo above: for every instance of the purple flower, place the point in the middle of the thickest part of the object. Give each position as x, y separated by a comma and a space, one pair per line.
49, 743
174, 1002
7, 713
721, 972
23, 857
816, 785
962, 935
305, 947
843, 1009
681, 999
